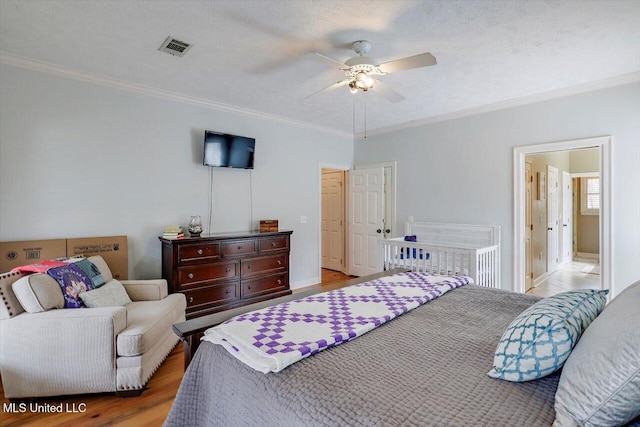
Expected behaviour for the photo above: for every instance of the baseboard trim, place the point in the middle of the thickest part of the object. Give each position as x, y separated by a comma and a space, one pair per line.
587, 255
304, 283
538, 280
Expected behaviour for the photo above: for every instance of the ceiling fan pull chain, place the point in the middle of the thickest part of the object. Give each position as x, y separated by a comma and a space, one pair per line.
365, 115
354, 116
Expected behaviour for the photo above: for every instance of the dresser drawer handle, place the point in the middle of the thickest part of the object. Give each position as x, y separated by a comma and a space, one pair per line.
279, 262
248, 266
200, 252
279, 282
190, 299
273, 244
239, 247
228, 292
190, 275
227, 270
248, 286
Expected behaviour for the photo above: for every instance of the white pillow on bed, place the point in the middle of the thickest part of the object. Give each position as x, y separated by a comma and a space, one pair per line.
600, 382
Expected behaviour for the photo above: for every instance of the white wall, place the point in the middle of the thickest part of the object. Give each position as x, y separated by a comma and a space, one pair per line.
78, 159
461, 170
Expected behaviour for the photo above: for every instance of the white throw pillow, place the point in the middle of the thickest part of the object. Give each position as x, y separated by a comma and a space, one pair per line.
111, 294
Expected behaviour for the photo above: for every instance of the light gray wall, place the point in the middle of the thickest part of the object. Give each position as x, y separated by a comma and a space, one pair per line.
461, 171
78, 159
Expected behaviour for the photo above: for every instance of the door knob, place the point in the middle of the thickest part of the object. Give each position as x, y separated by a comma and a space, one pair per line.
379, 230
387, 231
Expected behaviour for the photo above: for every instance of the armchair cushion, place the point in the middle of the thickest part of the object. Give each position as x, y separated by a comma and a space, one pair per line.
148, 322
146, 290
38, 292
108, 295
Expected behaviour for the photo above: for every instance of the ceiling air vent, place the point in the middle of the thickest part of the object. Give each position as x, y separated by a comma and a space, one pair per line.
175, 47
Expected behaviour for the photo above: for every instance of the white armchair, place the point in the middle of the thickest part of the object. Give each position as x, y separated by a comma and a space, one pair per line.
46, 351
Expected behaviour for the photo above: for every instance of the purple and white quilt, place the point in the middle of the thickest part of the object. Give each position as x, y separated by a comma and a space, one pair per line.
273, 338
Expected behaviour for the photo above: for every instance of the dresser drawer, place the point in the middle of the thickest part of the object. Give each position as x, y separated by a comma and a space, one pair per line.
200, 252
211, 296
254, 266
264, 285
195, 275
277, 243
240, 247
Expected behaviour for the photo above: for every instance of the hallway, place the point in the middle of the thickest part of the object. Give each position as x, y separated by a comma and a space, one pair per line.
569, 277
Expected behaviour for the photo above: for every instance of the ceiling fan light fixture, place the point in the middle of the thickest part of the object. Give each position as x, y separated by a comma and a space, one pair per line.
353, 88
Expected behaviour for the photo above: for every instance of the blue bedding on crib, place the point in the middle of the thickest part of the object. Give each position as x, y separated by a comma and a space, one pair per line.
415, 254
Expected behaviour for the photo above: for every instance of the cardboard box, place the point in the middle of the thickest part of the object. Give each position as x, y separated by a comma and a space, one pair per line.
15, 254
267, 225
112, 248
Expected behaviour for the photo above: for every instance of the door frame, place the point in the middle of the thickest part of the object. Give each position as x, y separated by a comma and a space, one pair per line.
342, 167
603, 143
549, 239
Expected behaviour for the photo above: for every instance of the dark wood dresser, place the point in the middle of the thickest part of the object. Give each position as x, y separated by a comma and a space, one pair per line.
221, 271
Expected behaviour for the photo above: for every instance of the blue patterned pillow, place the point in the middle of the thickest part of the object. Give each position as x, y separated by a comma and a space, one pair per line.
540, 339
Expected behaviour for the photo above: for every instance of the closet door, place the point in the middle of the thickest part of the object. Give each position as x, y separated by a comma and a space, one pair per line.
366, 219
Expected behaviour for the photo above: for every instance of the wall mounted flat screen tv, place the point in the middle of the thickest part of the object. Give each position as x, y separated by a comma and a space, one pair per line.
230, 151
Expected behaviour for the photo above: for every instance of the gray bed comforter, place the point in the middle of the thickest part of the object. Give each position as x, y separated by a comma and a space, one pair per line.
426, 368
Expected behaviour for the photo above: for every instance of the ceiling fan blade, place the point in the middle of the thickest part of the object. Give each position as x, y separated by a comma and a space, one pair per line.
330, 61
386, 92
328, 88
409, 63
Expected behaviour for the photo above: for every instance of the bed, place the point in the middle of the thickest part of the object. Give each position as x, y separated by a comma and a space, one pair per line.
452, 249
426, 367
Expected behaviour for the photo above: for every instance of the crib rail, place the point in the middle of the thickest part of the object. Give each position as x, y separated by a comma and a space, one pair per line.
480, 264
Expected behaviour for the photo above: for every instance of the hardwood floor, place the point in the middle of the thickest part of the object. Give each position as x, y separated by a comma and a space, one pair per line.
106, 409
567, 278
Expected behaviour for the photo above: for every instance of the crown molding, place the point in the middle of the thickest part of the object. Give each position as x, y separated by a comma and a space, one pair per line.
544, 96
85, 76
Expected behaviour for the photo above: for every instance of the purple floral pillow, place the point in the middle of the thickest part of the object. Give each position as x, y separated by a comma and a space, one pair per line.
72, 280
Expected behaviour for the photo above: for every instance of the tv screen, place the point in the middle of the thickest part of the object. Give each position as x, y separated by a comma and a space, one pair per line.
231, 151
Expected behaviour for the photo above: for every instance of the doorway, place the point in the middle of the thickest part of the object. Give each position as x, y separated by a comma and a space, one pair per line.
541, 263
332, 221
382, 213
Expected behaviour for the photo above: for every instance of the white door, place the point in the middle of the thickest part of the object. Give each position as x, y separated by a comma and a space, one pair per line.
333, 220
528, 224
552, 219
366, 219
567, 217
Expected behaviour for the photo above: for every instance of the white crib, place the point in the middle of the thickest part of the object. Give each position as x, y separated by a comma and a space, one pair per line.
449, 249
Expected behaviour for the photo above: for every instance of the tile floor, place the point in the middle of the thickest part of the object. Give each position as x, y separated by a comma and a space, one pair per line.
567, 278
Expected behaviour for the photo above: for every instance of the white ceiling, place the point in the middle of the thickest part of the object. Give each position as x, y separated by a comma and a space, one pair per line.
255, 54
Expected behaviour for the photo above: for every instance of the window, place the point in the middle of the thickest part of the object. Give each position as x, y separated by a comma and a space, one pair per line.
590, 196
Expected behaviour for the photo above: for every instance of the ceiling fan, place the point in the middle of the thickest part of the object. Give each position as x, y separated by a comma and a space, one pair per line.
361, 70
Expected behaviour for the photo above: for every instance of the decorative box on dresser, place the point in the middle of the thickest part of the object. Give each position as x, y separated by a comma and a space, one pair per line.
221, 271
